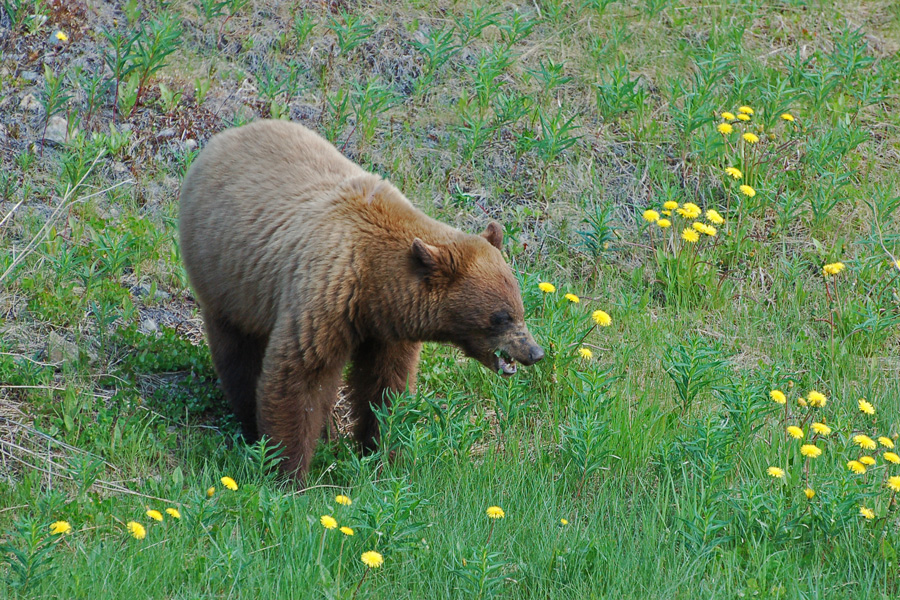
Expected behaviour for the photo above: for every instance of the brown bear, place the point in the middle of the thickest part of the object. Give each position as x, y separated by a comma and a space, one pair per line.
302, 261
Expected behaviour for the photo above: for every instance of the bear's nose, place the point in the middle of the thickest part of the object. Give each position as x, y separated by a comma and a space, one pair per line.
535, 354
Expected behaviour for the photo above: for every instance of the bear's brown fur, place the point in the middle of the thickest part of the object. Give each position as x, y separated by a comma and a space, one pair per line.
302, 261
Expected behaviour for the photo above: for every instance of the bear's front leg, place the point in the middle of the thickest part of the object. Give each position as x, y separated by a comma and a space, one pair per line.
294, 398
377, 367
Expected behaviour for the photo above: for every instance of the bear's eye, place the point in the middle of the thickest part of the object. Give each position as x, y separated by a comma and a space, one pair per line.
500, 319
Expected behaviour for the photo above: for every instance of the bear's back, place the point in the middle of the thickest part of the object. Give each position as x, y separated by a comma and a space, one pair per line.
253, 200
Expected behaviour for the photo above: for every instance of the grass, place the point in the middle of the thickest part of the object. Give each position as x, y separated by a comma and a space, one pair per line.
565, 121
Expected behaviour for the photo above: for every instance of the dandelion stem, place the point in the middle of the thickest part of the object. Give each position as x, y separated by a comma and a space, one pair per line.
321, 547
359, 585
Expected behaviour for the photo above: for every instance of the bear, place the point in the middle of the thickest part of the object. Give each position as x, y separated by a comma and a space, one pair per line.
301, 262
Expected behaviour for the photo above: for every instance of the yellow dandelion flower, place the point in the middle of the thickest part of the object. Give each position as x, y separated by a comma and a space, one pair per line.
867, 460
566, 521
60, 527
346, 530
229, 483
894, 483
136, 530
664, 223
795, 432
61, 36
787, 117
891, 458
709, 230
713, 216
670, 205
747, 191
372, 559
586, 353
886, 442
833, 268
778, 397
155, 515
856, 467
651, 216
728, 116
495, 512
734, 173
725, 128
689, 235
210, 491
775, 472
746, 110
810, 451
817, 399
572, 298
750, 138
173, 512
328, 522
601, 318
864, 442
699, 226
865, 406
809, 493
801, 402
547, 288
868, 513
821, 428
667, 213
743, 117
343, 500
692, 209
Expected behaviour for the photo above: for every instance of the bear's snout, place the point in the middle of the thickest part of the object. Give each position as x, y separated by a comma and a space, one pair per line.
535, 353
522, 348
527, 353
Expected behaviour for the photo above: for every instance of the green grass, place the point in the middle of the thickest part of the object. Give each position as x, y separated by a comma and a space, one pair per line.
564, 121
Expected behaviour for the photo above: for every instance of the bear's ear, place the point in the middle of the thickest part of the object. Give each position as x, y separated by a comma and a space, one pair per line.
425, 255
494, 234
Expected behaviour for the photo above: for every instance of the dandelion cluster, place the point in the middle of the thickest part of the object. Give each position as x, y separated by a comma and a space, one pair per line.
813, 444
600, 317
691, 229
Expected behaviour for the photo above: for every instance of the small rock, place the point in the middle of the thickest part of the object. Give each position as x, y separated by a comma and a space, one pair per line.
57, 130
165, 134
29, 103
59, 349
190, 143
29, 75
149, 326
491, 33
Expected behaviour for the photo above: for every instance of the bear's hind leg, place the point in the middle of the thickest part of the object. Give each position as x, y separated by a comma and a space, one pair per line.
377, 367
238, 360
294, 400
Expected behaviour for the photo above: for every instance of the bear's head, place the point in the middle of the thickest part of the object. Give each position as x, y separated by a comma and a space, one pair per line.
476, 301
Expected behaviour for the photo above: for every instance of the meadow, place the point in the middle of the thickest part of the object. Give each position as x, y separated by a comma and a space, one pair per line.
700, 200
